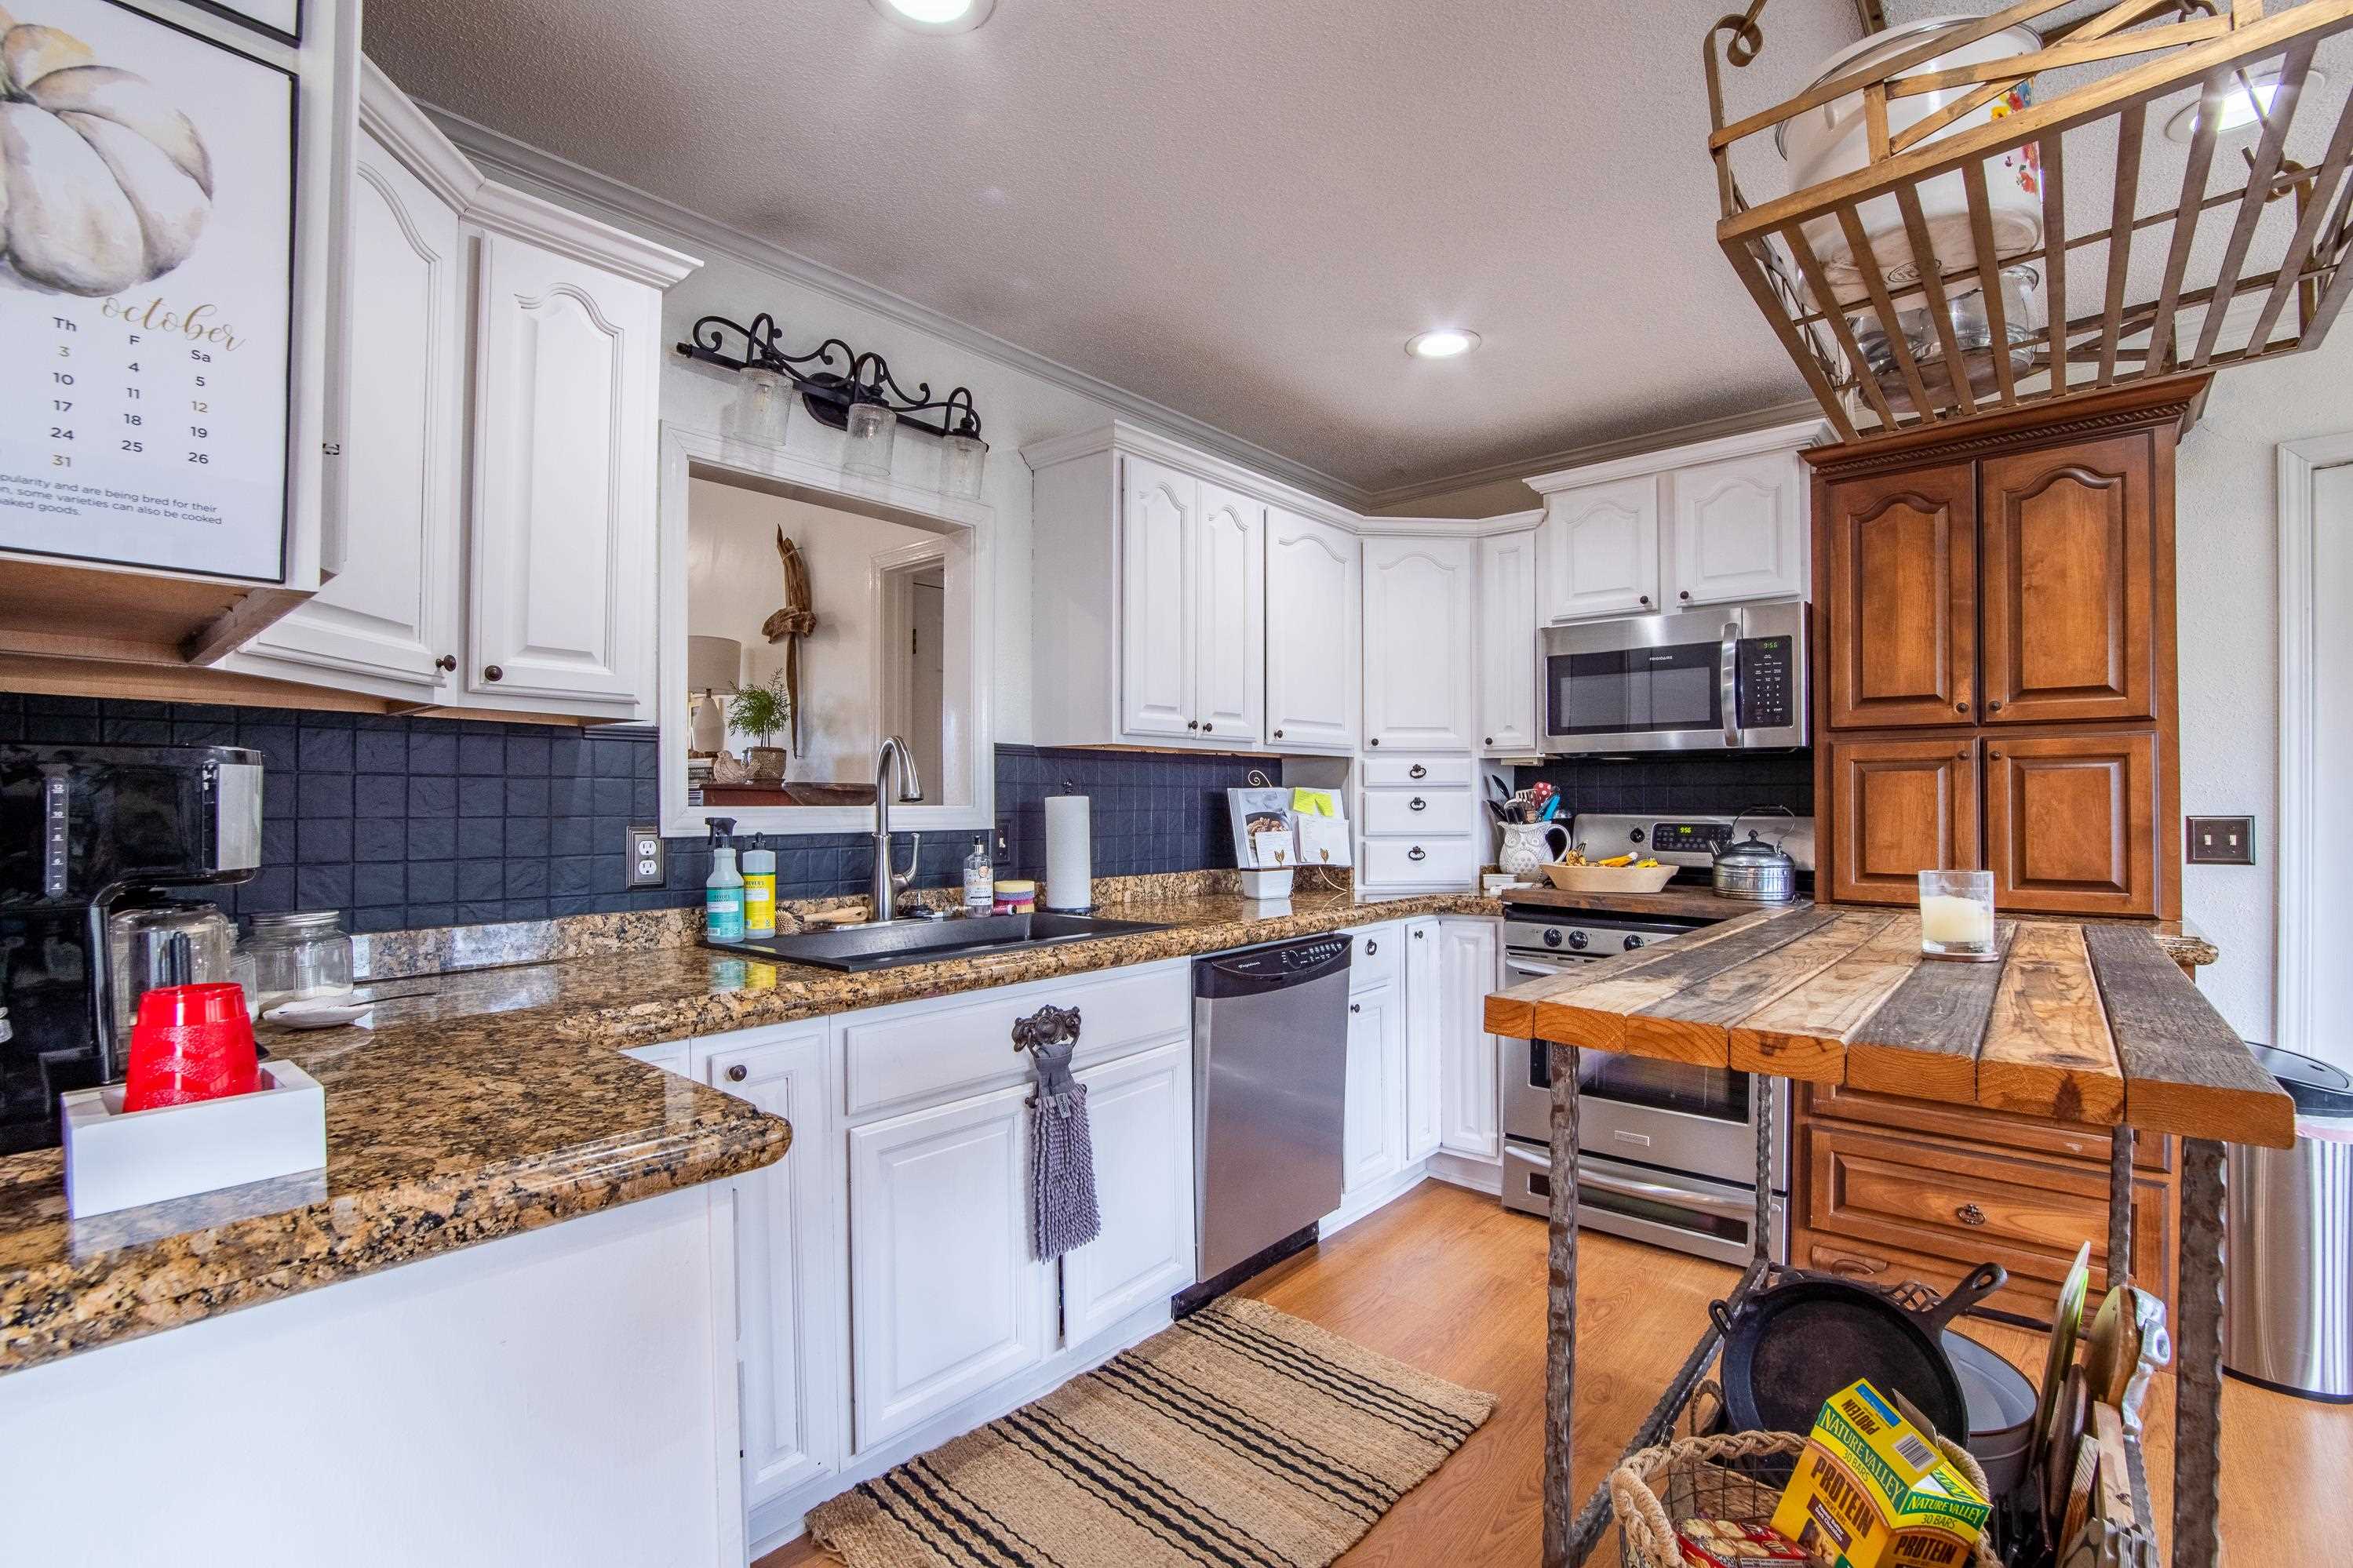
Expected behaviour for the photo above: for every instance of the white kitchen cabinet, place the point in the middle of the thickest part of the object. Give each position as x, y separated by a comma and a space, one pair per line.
1425, 1010
789, 1263
1314, 671
1159, 600
1600, 548
1507, 644
1417, 643
1373, 1122
1139, 1111
1469, 1092
945, 1299
1229, 622
1740, 528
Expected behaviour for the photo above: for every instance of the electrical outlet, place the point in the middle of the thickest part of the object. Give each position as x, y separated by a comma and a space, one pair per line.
644, 854
2221, 841
1001, 851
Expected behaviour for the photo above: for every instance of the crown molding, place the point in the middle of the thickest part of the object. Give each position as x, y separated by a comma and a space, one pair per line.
1673, 437
1803, 433
1120, 436
625, 203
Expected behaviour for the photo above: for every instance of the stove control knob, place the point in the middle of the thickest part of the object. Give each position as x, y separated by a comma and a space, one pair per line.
1578, 941
1551, 937
1634, 942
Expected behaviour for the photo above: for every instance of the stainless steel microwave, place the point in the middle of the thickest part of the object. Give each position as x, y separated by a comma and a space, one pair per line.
1723, 678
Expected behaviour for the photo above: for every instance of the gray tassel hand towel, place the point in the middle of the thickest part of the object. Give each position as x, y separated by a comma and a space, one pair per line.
1062, 1208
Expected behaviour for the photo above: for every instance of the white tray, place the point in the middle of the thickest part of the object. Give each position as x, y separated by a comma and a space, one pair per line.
118, 1159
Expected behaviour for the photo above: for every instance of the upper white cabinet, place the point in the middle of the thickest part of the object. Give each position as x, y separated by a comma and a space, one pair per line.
1740, 528
1693, 525
1418, 642
1507, 700
1600, 549
1151, 602
1315, 572
486, 319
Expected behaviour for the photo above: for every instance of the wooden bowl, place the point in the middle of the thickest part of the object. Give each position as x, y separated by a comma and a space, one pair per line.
1610, 878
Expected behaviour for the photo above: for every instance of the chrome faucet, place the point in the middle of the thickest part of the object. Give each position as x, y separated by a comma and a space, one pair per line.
888, 883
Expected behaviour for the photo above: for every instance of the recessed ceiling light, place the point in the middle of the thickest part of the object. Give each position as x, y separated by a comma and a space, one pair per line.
2240, 105
937, 16
1445, 343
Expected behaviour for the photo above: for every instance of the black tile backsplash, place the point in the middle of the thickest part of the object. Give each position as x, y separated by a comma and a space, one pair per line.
1710, 783
402, 823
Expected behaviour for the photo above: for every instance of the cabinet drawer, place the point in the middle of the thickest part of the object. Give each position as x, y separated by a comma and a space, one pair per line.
1374, 961
1930, 1199
1419, 862
1416, 773
2030, 1134
1418, 812
924, 1050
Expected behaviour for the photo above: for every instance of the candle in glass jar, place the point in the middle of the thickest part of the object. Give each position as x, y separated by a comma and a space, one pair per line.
1956, 921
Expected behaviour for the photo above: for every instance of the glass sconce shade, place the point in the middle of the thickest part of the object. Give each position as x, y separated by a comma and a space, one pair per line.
758, 412
963, 458
873, 429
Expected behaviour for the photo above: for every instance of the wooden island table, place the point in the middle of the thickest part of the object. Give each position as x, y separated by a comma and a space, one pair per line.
2085, 1022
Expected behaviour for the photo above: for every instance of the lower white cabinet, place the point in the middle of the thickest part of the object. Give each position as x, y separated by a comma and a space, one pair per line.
1373, 1126
1468, 1092
787, 1263
945, 1297
1140, 1110
1427, 1003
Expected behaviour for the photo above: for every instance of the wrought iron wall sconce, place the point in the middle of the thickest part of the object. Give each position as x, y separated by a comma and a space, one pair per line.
834, 377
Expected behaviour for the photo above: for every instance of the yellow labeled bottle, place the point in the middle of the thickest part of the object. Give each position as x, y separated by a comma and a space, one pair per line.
759, 889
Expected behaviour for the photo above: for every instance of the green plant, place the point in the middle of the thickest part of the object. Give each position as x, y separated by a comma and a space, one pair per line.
762, 710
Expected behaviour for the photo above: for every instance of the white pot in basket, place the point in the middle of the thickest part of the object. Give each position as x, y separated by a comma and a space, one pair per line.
1831, 139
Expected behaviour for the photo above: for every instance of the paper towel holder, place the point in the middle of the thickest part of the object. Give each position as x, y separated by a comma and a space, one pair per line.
1070, 791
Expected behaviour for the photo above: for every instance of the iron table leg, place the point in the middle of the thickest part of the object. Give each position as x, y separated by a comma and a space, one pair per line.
2120, 1209
1560, 1344
2198, 1382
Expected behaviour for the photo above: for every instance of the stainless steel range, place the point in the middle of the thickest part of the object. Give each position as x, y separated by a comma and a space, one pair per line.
1667, 1152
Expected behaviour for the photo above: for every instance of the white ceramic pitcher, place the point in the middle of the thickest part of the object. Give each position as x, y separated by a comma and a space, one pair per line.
1527, 847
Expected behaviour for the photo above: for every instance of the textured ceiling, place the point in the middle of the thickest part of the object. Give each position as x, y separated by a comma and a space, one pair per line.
1238, 208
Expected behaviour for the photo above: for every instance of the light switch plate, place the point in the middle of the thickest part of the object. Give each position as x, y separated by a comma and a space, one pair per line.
644, 854
2221, 841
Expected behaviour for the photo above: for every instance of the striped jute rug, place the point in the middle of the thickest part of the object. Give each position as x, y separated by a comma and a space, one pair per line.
1241, 1437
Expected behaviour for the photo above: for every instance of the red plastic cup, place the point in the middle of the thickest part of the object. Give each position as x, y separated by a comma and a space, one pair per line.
190, 1043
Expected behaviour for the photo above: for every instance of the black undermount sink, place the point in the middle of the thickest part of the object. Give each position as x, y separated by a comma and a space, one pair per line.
852, 949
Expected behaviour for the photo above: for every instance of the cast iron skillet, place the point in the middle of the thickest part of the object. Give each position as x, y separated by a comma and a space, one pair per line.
1790, 1348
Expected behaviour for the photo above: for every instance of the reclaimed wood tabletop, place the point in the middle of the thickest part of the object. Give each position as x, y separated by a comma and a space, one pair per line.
2084, 1022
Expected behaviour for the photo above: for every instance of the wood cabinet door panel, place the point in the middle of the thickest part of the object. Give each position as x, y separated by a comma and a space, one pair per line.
2071, 822
1902, 598
1314, 668
1898, 808
2069, 543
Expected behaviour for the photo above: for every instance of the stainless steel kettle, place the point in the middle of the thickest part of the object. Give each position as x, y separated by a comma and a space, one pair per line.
1753, 870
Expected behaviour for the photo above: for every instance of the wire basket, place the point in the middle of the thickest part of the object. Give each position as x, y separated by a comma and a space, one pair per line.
1738, 1476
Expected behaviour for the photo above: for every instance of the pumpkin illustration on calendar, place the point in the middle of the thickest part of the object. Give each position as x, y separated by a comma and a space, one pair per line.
104, 185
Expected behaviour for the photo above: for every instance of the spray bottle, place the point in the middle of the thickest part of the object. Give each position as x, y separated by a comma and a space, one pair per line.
759, 889
722, 891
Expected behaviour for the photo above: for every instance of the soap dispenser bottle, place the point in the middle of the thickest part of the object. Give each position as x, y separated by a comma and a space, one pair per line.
979, 880
759, 888
722, 891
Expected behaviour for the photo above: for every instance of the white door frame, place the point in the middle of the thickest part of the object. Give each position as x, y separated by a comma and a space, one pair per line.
2301, 953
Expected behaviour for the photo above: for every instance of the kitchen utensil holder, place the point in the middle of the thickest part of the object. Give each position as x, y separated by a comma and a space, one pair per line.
118, 1159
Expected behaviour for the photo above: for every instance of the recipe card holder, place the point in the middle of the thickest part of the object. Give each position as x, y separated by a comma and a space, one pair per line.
118, 1159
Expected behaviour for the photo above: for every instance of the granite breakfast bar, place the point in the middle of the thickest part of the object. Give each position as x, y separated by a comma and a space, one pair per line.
2089, 1022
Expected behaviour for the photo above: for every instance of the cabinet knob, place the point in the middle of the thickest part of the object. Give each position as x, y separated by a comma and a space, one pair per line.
738, 1073
1488, 741
1209, 729
1192, 724
1960, 707
1372, 946
1683, 593
1418, 804
1969, 1214
1417, 853
1278, 734
1646, 598
1996, 755
1420, 934
1374, 741
1994, 707
493, 672
446, 663
1355, 1006
1419, 771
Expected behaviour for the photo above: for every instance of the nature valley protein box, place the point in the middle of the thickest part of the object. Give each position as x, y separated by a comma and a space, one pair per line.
1871, 1491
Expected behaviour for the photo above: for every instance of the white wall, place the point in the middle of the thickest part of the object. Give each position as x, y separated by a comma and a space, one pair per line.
734, 582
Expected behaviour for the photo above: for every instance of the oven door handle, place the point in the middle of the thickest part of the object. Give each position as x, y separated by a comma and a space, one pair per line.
1535, 971
1728, 684
1675, 1197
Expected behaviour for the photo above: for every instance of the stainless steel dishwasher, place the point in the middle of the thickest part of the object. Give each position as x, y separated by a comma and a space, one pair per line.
1270, 1093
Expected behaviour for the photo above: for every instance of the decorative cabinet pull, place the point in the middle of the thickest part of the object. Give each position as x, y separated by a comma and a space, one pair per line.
1420, 934
1960, 707
1969, 1214
1371, 947
1863, 1267
1994, 707
446, 663
1419, 771
1995, 755
1355, 1006
738, 1073
1278, 734
493, 672
1192, 724
1046, 1026
1416, 803
1417, 853
1209, 729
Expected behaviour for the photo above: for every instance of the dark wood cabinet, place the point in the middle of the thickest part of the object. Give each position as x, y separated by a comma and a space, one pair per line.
2069, 552
2071, 822
1901, 570
1900, 807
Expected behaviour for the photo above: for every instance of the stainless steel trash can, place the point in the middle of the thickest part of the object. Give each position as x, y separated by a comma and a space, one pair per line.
2288, 1308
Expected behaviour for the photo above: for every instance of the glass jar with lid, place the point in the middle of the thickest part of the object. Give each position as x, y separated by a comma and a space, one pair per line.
299, 956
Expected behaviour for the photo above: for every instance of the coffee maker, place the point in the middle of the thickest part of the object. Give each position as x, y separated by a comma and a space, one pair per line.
85, 831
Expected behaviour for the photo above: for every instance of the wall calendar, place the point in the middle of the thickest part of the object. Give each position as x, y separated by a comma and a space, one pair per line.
146, 276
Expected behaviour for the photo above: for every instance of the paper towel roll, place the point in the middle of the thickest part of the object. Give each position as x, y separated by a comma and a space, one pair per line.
1070, 853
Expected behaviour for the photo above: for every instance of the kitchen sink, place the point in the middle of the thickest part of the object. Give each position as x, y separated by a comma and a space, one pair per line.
852, 949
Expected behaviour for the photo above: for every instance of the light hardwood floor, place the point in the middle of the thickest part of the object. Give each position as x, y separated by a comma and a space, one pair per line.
1447, 1280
